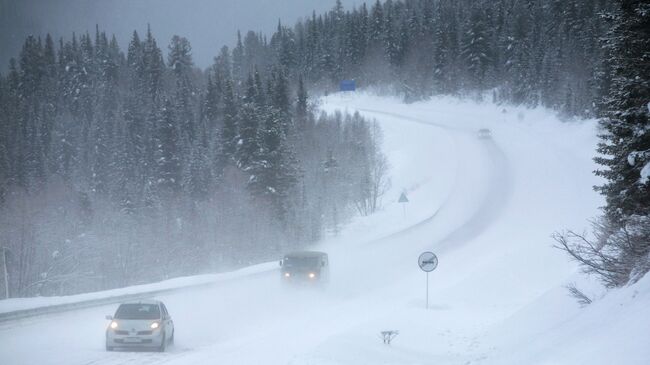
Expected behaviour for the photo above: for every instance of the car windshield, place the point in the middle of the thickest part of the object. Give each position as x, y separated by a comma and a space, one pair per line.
138, 311
302, 262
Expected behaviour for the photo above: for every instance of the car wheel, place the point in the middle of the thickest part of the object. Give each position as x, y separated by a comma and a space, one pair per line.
109, 348
163, 344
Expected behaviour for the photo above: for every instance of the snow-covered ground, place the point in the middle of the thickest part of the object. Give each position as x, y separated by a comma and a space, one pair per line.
486, 207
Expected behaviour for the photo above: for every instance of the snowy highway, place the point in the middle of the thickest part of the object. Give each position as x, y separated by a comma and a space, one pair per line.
476, 203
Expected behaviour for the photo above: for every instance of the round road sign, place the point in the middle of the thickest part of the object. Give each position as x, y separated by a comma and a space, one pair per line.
428, 261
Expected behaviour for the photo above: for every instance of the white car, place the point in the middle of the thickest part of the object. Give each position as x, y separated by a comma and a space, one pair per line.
141, 324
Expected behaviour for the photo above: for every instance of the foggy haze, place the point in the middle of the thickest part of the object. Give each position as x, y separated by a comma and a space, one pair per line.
208, 24
272, 201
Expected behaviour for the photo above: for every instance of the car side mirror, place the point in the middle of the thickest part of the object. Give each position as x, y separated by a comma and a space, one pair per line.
109, 317
280, 262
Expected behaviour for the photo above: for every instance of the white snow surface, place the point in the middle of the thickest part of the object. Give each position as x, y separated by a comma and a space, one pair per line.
487, 208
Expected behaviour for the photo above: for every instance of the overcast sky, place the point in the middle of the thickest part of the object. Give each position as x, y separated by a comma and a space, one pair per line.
208, 24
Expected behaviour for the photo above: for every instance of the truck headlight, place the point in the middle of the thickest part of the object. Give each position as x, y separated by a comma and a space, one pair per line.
312, 275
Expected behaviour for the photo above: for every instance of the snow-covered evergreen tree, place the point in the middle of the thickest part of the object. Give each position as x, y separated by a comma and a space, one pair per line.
168, 152
625, 145
621, 248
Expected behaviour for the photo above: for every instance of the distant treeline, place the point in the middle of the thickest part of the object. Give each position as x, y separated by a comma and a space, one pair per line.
530, 52
120, 167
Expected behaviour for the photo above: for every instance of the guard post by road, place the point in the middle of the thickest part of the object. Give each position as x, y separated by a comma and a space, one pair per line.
403, 200
428, 262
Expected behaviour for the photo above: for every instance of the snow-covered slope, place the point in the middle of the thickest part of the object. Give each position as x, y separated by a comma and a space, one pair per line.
499, 295
487, 208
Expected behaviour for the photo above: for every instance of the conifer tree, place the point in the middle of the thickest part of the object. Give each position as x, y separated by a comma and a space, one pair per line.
211, 103
238, 60
275, 175
476, 50
180, 61
260, 96
4, 141
153, 67
620, 253
167, 153
626, 141
222, 68
248, 145
228, 134
301, 106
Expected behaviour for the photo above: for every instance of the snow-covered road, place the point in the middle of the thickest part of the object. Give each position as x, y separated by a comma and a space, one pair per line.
486, 207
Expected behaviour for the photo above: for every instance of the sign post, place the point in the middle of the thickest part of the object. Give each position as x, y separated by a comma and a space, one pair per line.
5, 273
403, 200
428, 262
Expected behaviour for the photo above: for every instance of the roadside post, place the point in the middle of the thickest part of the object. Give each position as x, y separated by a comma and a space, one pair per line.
5, 273
428, 262
403, 200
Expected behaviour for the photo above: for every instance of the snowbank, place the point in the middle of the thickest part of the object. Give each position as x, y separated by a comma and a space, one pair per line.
15, 304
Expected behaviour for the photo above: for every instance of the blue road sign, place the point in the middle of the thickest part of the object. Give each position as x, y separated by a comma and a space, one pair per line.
348, 85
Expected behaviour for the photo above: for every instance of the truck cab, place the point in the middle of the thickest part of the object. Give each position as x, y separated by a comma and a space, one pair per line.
309, 267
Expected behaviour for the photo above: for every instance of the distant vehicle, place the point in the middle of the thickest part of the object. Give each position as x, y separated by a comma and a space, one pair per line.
484, 133
305, 267
142, 324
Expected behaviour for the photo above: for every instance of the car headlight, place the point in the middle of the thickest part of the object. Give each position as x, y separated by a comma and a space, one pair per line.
312, 275
286, 274
155, 325
113, 325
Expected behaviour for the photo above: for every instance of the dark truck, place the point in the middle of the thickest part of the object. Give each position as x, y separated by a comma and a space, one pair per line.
305, 267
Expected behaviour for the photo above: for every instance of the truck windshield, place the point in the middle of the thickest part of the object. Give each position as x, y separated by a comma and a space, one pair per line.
302, 262
138, 311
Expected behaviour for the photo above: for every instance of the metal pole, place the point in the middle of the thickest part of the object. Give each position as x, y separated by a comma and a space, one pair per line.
6, 272
427, 290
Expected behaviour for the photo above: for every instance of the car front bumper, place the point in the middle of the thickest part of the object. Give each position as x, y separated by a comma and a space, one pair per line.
116, 339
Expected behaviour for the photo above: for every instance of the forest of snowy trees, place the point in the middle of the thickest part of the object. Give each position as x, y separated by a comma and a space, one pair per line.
525, 52
122, 166
119, 167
